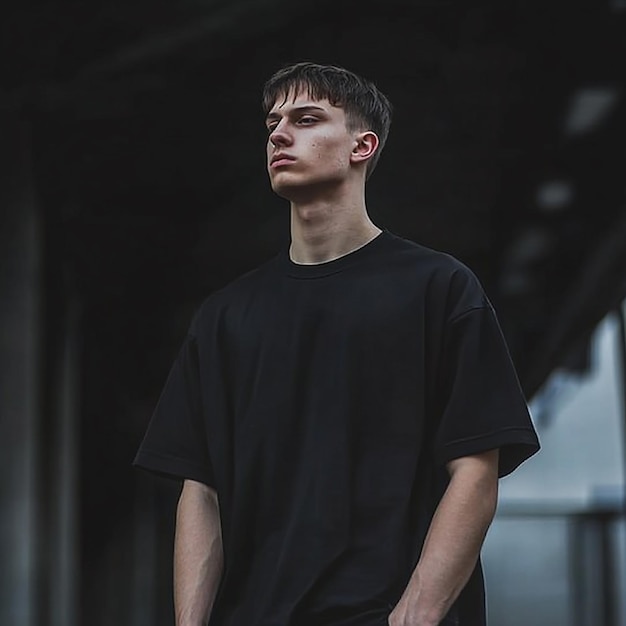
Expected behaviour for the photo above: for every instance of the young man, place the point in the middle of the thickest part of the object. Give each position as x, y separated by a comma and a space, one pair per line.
340, 415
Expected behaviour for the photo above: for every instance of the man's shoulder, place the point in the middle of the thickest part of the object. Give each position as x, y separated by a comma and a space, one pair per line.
236, 291
450, 287
430, 260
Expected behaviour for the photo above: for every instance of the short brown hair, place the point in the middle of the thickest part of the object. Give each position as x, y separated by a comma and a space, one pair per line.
366, 107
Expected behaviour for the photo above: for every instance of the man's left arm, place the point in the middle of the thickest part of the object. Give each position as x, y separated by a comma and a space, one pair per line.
453, 542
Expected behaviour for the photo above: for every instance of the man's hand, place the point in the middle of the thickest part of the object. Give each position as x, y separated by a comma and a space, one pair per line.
453, 542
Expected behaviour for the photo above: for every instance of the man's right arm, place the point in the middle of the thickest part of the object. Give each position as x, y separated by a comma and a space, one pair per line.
198, 554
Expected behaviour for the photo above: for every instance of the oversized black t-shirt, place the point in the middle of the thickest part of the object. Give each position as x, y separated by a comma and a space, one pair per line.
323, 402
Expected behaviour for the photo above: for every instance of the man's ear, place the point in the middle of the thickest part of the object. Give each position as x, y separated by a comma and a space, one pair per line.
366, 144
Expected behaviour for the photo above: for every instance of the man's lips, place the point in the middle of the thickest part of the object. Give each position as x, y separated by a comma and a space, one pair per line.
278, 160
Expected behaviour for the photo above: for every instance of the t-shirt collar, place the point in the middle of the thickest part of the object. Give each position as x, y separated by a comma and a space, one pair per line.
317, 270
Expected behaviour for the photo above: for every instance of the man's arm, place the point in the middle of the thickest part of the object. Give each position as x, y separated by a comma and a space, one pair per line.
453, 542
198, 554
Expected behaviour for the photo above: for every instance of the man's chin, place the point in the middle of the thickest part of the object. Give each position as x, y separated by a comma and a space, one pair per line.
299, 191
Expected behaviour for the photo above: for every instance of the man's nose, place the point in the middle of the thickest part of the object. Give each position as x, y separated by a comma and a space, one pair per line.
279, 136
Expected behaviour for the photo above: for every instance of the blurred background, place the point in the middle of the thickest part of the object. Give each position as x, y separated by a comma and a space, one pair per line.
132, 184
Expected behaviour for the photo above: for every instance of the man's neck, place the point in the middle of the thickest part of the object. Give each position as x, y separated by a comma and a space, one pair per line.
324, 230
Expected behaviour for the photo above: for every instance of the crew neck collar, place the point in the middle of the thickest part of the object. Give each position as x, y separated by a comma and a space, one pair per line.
326, 268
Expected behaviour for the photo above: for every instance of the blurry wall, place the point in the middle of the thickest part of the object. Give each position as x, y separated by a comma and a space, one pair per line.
555, 554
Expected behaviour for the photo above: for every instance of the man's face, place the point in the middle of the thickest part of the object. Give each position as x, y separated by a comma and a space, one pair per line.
308, 147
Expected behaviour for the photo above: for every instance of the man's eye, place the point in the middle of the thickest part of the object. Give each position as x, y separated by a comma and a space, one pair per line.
307, 119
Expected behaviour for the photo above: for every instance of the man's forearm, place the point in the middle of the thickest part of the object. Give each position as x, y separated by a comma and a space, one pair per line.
453, 542
198, 554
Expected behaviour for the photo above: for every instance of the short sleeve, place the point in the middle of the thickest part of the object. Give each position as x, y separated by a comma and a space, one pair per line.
175, 443
482, 404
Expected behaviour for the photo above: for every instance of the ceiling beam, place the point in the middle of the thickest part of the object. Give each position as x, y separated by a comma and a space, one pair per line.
599, 288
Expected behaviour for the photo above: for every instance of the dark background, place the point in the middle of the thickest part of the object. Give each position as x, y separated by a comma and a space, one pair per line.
134, 184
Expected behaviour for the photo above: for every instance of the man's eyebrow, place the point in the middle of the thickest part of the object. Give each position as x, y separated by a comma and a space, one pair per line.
273, 115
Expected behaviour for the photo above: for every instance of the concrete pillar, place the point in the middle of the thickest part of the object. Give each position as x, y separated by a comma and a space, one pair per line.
38, 404
20, 299
64, 526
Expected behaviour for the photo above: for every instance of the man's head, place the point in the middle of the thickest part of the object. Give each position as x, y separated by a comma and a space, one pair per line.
364, 109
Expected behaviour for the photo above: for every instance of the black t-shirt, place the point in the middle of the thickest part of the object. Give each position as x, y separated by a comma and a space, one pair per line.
322, 402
